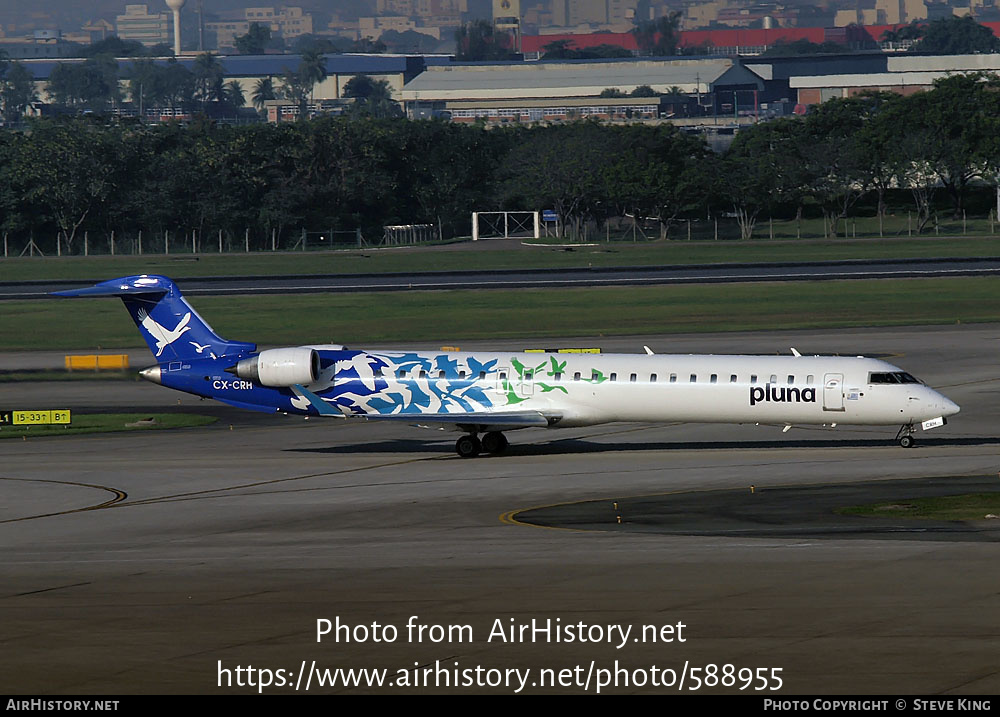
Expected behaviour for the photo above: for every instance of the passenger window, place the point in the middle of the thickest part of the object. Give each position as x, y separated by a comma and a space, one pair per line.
753, 378
694, 378
774, 378
652, 378
732, 378
791, 379
576, 376
632, 378
809, 379
528, 375
461, 374
715, 378
400, 373
503, 375
673, 378
482, 375
614, 377
423, 374
594, 376
557, 376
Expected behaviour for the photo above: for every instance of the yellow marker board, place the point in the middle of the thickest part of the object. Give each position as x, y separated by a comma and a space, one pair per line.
39, 418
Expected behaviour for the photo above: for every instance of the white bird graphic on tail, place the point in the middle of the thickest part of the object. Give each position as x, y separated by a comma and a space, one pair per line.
200, 349
164, 337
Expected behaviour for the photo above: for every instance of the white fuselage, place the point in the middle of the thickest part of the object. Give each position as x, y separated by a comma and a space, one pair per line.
587, 389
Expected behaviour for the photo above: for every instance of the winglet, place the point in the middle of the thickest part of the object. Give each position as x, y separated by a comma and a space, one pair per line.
649, 351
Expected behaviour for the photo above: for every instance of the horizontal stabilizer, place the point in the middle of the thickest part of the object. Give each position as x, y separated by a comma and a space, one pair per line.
127, 286
171, 327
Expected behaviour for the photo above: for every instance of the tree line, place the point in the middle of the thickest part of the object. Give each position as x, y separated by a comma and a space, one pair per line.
73, 175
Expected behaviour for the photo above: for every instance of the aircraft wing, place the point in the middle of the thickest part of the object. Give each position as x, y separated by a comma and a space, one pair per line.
482, 421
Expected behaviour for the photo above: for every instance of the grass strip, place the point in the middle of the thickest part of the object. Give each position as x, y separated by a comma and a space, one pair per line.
452, 316
480, 257
59, 375
973, 506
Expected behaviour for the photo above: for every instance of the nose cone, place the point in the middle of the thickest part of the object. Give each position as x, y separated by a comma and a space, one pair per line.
950, 407
151, 374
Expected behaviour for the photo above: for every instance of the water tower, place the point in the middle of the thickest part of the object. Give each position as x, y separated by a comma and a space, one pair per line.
175, 6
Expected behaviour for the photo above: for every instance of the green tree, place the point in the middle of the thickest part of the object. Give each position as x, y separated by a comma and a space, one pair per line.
875, 144
208, 76
179, 84
256, 40
233, 95
477, 41
914, 31
147, 83
70, 169
92, 84
319, 43
558, 50
372, 97
17, 91
659, 37
761, 170
952, 123
368, 46
114, 46
956, 36
312, 69
561, 166
263, 91
833, 160
657, 172
295, 88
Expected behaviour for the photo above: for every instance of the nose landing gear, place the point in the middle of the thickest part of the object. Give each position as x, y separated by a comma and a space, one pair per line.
905, 436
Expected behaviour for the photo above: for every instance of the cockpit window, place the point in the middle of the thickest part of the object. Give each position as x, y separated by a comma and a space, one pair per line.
891, 377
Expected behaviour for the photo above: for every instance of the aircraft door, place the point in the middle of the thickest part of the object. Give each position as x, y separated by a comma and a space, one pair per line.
833, 392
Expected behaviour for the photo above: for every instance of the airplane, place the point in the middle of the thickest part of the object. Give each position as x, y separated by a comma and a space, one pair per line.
487, 393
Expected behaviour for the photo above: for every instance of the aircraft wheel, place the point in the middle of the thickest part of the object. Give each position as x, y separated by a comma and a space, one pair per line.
468, 446
495, 443
906, 441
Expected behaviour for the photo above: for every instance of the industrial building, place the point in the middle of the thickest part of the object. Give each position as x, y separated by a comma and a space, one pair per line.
396, 70
518, 91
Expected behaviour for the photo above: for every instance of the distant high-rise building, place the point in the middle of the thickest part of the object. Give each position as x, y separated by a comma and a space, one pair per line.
285, 22
139, 24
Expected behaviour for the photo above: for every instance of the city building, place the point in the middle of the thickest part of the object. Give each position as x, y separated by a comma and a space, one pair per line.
284, 22
143, 26
527, 92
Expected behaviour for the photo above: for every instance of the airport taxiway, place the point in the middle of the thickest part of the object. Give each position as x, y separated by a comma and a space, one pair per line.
231, 541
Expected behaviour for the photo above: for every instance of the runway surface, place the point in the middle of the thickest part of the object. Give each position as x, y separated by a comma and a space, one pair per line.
221, 547
552, 278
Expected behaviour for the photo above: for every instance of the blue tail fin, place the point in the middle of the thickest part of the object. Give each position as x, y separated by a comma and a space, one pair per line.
172, 328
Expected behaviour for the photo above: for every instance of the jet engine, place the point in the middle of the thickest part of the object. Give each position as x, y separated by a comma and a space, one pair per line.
279, 367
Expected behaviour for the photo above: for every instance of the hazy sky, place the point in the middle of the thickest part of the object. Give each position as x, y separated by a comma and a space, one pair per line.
72, 13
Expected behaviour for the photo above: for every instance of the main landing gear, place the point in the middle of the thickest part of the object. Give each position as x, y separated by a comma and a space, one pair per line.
905, 436
469, 446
